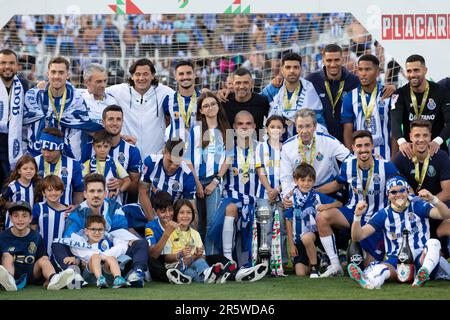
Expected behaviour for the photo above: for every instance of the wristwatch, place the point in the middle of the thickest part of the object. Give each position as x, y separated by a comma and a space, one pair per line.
217, 179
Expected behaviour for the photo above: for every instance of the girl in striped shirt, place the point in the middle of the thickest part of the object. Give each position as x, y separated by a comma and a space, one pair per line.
21, 185
206, 156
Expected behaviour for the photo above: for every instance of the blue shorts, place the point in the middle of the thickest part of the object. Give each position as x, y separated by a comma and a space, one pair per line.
374, 244
393, 260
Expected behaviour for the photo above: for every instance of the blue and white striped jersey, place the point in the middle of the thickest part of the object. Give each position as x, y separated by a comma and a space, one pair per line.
177, 128
268, 158
206, 161
69, 170
380, 125
415, 219
239, 185
17, 192
179, 185
376, 197
50, 223
303, 213
125, 153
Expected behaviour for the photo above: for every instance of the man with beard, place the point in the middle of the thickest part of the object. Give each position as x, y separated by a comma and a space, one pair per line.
365, 109
125, 153
430, 172
365, 176
332, 83
294, 94
12, 91
243, 99
97, 204
419, 99
181, 106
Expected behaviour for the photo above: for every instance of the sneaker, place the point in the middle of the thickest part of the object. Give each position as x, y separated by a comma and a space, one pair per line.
136, 279
223, 279
120, 282
213, 273
230, 266
101, 282
314, 274
252, 274
7, 280
423, 275
61, 280
78, 281
332, 271
175, 276
356, 274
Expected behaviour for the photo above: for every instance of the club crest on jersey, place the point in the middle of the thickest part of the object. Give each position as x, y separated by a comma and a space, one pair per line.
411, 217
235, 171
431, 171
319, 156
121, 157
32, 248
376, 178
431, 104
64, 172
104, 245
175, 186
393, 235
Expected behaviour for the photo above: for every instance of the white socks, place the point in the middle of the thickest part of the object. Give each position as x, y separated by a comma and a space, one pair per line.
227, 237
329, 244
378, 275
432, 256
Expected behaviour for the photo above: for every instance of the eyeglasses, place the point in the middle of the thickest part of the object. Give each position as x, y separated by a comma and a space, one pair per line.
394, 192
96, 230
211, 105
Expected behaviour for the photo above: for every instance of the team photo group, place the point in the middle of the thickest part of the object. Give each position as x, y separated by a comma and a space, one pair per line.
334, 173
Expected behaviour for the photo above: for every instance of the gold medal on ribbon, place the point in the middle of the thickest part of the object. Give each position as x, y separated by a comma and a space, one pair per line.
186, 114
62, 106
244, 163
338, 96
288, 103
418, 112
301, 150
56, 171
419, 176
362, 189
368, 109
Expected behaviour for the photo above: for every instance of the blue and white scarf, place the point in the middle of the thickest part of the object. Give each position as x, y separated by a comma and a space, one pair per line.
11, 117
39, 113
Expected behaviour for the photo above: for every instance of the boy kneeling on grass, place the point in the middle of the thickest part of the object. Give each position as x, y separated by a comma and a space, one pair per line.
24, 256
301, 220
101, 253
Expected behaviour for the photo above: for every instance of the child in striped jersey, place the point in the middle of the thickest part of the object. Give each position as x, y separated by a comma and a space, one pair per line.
49, 215
102, 163
205, 156
268, 156
301, 220
21, 185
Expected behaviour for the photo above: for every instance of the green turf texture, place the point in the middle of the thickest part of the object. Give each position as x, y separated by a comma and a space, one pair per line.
269, 288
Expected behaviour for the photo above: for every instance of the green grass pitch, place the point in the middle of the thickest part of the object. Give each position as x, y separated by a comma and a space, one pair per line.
269, 288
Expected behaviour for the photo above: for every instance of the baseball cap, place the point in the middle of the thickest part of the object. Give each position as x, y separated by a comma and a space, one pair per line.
20, 205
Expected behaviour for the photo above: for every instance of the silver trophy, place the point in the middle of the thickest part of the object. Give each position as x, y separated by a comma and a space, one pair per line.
263, 216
